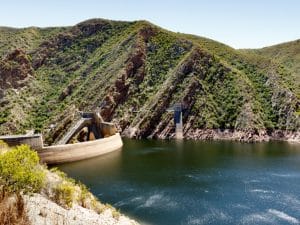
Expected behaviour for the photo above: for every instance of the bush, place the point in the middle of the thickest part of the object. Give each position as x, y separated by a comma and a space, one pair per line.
65, 194
20, 170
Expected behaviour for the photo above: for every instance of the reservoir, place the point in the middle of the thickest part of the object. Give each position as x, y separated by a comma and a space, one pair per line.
197, 182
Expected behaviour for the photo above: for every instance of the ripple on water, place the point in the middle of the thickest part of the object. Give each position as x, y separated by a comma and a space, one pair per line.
258, 218
212, 216
286, 175
158, 200
254, 181
135, 200
290, 201
198, 177
262, 191
284, 216
240, 206
263, 194
271, 216
152, 150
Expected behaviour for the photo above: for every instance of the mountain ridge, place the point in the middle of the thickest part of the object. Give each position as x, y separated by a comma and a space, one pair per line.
138, 66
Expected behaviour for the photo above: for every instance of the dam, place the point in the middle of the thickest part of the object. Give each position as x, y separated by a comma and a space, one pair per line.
89, 137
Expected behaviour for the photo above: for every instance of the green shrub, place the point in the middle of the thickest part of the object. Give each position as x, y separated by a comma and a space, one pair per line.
64, 194
20, 170
84, 194
58, 172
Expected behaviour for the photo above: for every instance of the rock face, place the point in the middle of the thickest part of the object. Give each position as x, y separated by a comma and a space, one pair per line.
43, 211
133, 74
15, 70
135, 71
217, 134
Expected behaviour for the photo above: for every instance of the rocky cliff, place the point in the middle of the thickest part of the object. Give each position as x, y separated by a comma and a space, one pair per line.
135, 71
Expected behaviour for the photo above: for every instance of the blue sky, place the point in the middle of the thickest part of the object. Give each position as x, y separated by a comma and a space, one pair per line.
238, 23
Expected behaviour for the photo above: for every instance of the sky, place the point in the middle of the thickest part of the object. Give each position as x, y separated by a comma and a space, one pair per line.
238, 23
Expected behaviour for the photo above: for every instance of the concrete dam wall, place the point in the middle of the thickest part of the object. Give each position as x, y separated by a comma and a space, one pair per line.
35, 141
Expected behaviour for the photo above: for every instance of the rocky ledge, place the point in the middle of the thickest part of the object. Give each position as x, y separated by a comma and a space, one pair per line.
64, 201
244, 136
41, 210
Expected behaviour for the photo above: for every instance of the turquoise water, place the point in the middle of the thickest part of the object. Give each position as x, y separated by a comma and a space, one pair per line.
194, 182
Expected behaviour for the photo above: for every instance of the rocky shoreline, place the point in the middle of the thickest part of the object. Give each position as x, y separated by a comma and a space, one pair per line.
250, 135
41, 210
63, 201
243, 136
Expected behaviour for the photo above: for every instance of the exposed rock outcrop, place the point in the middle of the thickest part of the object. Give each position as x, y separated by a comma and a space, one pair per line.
41, 210
15, 70
135, 71
133, 74
217, 134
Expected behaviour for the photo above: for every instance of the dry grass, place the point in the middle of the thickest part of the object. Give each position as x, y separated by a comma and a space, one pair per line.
3, 147
12, 210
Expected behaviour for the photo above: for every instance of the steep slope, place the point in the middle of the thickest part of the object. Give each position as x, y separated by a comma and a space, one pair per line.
25, 38
135, 71
288, 56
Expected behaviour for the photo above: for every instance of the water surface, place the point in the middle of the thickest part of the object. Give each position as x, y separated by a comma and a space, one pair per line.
195, 182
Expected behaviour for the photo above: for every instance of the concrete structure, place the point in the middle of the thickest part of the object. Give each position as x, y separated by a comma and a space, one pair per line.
35, 141
100, 138
177, 109
78, 151
75, 129
178, 121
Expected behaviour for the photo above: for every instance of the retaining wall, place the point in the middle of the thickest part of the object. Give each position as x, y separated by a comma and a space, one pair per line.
34, 141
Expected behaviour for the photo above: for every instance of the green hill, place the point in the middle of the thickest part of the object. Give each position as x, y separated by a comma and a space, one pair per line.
287, 56
136, 70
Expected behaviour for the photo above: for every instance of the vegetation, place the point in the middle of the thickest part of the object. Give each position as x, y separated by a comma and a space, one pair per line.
286, 56
65, 194
68, 192
21, 173
20, 170
139, 70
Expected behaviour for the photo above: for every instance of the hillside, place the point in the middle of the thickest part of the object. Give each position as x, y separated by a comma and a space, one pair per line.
30, 193
135, 71
287, 55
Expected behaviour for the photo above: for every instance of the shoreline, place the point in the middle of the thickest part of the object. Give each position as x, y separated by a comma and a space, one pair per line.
226, 134
41, 210
243, 136
31, 193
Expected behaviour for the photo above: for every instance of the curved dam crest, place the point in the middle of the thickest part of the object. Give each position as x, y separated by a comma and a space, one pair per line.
88, 137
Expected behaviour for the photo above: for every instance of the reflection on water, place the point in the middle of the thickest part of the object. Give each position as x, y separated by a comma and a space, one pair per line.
194, 182
109, 163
